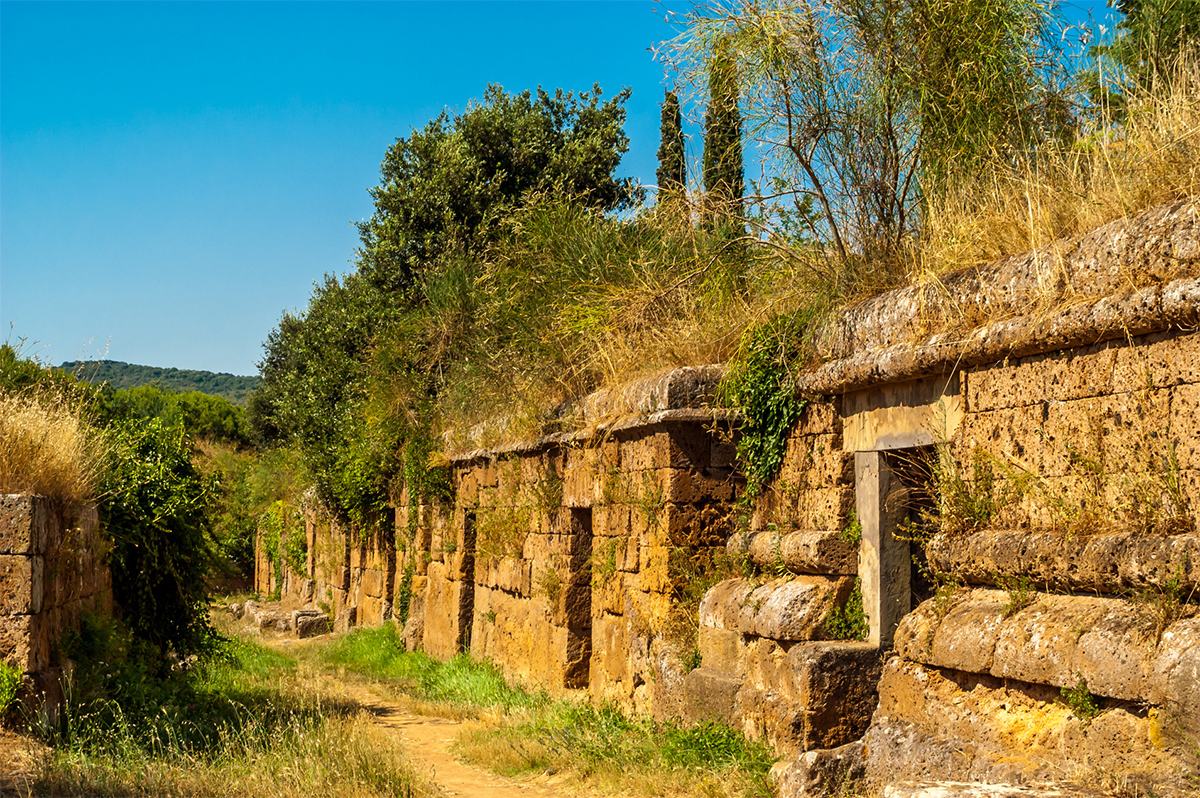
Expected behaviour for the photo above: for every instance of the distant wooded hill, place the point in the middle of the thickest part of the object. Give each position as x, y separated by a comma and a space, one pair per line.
126, 375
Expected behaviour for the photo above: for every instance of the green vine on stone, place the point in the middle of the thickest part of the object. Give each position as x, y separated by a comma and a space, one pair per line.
759, 384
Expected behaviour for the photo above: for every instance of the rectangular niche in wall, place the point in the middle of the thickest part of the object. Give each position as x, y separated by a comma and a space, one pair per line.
577, 601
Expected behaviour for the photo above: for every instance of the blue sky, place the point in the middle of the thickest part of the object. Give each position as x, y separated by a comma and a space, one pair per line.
173, 176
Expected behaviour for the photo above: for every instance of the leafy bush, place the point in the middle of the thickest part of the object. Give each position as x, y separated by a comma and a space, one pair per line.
848, 621
156, 506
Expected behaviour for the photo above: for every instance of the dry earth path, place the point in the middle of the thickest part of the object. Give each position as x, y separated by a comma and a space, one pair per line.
426, 741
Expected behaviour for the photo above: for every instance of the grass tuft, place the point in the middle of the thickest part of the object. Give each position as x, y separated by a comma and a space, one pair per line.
47, 448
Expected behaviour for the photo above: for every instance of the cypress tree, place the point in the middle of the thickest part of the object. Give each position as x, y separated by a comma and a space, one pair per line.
723, 178
672, 169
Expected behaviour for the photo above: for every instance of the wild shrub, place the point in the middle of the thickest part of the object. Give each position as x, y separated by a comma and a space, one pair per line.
156, 508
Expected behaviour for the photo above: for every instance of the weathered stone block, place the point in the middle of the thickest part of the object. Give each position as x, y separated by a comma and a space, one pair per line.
22, 525
710, 695
373, 583
723, 453
21, 584
26, 641
835, 683
611, 637
1174, 677
939, 725
720, 649
608, 592
820, 773
1082, 372
1157, 361
820, 416
804, 552
793, 609
721, 607
1056, 640
1013, 383
1184, 428
312, 625
1106, 563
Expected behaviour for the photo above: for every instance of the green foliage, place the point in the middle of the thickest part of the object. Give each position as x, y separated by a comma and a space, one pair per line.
723, 170
121, 376
975, 85
1080, 699
1021, 593
283, 538
759, 384
379, 653
156, 508
852, 533
848, 621
229, 723
859, 107
1152, 34
594, 740
200, 415
672, 163
445, 189
10, 683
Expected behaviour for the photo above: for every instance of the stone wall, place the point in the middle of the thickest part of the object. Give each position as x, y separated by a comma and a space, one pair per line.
51, 573
1004, 469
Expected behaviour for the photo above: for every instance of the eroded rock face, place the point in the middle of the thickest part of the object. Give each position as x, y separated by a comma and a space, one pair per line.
1106, 563
1112, 644
781, 609
942, 725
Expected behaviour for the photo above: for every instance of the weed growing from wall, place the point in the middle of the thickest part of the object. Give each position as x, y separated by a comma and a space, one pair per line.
693, 573
848, 621
1021, 593
1080, 699
501, 531
10, 683
759, 384
604, 560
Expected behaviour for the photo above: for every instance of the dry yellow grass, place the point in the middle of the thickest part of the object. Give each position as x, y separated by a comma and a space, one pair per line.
47, 448
1153, 157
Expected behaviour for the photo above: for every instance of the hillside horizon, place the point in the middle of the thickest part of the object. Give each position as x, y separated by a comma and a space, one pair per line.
120, 375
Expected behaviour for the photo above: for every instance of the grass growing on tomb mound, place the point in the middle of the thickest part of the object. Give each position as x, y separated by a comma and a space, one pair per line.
242, 720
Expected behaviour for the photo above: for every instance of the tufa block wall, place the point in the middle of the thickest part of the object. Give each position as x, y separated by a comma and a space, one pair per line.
51, 573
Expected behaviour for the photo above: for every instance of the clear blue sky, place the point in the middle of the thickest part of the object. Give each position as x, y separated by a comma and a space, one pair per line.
173, 176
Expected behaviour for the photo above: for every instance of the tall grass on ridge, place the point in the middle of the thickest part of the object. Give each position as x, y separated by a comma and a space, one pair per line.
47, 448
1114, 170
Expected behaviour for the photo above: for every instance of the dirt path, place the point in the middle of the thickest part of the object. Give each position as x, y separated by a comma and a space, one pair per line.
427, 740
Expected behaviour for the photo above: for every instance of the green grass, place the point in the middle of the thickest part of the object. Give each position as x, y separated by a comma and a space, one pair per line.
243, 720
378, 653
603, 748
532, 734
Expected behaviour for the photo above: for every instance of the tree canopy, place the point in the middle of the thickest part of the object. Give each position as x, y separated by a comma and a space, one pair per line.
349, 380
444, 190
